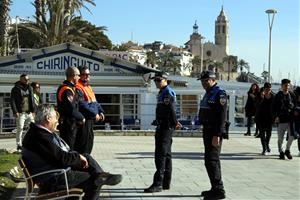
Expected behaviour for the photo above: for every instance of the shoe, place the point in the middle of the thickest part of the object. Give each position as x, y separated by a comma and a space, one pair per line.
268, 150
214, 195
247, 134
109, 179
153, 188
299, 154
288, 154
166, 187
257, 136
281, 155
205, 193
263, 153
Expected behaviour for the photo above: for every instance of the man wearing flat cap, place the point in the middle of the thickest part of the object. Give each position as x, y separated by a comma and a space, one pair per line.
212, 115
165, 122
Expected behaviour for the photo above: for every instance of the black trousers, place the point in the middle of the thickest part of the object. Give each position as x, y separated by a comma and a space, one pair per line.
86, 180
249, 123
265, 136
85, 137
212, 161
68, 132
163, 157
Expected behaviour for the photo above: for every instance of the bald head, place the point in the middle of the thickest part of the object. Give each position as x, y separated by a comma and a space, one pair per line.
72, 74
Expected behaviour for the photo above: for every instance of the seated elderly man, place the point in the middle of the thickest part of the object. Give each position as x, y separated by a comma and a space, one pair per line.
44, 150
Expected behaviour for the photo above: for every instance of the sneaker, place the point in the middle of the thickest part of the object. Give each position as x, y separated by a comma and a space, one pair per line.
153, 188
214, 195
281, 155
109, 179
288, 154
247, 134
264, 153
268, 150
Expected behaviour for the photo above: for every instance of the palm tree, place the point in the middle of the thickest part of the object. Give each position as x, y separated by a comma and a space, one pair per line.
74, 5
4, 9
151, 59
242, 64
169, 64
51, 25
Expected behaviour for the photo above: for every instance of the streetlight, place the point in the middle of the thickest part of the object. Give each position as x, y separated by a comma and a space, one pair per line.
17, 35
201, 42
271, 13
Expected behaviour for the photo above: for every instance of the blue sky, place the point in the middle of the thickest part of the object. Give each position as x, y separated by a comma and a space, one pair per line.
171, 21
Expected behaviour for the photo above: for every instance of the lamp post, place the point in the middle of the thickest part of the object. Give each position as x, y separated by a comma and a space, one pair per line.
201, 43
17, 35
271, 13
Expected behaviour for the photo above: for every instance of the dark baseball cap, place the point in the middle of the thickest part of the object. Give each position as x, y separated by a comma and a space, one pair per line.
206, 75
161, 75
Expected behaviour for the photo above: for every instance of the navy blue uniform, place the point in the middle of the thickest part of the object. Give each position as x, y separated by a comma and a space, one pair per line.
212, 115
165, 122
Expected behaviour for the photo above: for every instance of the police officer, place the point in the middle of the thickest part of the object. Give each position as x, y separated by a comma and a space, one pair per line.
212, 115
91, 110
165, 123
67, 106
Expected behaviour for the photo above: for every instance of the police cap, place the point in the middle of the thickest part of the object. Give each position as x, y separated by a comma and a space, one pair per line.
206, 74
161, 75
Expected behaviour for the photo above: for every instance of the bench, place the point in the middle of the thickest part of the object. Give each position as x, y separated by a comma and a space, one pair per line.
61, 194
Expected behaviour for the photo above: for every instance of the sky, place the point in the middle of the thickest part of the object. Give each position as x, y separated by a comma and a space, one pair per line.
171, 22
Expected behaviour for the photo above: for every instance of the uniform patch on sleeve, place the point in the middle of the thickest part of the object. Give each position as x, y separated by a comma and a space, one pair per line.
223, 99
70, 98
167, 100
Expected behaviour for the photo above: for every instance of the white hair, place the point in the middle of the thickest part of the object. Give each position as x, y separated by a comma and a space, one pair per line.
44, 111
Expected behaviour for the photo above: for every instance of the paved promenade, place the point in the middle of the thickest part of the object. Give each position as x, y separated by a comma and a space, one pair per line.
246, 173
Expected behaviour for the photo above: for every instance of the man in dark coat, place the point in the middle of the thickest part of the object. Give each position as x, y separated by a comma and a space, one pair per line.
22, 105
44, 150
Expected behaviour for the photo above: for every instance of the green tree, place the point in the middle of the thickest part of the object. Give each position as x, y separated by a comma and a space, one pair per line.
4, 9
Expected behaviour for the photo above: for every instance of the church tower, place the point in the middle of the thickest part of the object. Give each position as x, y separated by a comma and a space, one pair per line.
195, 41
221, 31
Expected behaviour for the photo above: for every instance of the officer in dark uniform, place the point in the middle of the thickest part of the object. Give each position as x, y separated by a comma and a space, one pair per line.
165, 123
212, 115
67, 106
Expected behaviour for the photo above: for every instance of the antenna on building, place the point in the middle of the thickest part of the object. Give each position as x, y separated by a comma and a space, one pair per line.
131, 36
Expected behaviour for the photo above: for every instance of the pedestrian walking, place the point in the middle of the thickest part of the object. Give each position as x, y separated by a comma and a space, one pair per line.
284, 105
22, 105
165, 122
212, 116
297, 117
264, 117
250, 107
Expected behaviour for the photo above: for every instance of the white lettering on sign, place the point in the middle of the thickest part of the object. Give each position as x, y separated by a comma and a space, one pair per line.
62, 62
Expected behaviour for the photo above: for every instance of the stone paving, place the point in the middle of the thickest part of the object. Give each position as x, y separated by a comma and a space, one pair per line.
246, 173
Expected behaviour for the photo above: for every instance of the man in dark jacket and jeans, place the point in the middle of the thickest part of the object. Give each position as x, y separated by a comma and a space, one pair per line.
44, 150
22, 105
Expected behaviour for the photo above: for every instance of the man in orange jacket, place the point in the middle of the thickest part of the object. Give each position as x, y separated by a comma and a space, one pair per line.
91, 110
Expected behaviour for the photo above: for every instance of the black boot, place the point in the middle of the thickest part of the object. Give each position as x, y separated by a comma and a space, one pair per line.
153, 188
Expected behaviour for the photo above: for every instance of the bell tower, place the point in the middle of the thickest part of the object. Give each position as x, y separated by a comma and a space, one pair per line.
221, 31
